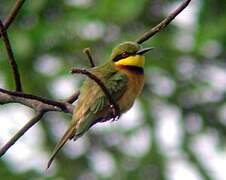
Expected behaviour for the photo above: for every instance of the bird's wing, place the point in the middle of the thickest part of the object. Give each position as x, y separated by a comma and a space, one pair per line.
116, 85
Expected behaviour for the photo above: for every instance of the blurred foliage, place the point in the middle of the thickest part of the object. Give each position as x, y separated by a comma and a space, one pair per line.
185, 73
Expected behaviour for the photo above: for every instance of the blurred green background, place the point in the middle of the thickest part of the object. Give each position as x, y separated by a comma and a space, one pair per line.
177, 128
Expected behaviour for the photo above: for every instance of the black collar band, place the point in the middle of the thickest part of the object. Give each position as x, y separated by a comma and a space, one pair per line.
135, 69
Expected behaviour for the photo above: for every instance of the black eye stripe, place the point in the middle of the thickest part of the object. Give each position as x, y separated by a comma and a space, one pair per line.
122, 56
117, 58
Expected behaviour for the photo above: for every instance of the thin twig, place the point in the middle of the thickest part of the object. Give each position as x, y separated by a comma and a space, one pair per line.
12, 15
73, 98
27, 100
87, 51
163, 23
11, 58
113, 104
40, 104
21, 132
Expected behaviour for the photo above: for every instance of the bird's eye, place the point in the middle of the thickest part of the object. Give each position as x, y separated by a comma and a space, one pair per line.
121, 56
125, 54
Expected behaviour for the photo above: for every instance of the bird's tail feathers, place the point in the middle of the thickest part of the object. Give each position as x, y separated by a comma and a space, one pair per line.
69, 134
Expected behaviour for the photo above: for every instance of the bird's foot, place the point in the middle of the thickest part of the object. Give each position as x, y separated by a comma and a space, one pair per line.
115, 118
115, 114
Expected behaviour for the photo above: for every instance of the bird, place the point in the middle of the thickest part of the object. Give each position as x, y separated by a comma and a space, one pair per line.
123, 76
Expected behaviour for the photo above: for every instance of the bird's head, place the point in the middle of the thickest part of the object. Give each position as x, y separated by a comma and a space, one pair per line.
129, 54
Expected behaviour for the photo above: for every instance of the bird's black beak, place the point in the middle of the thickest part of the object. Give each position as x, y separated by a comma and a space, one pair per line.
144, 50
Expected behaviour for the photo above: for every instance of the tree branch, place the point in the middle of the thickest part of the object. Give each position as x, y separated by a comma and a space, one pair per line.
21, 132
11, 58
163, 23
35, 102
73, 97
113, 104
87, 51
40, 104
12, 15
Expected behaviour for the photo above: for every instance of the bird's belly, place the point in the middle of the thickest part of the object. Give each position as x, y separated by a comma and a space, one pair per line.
134, 87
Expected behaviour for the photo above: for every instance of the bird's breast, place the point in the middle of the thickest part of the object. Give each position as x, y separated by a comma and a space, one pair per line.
134, 86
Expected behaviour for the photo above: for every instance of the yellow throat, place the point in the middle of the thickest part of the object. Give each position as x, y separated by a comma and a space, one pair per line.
137, 61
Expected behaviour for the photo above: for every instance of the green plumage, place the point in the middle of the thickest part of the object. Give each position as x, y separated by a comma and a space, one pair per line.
95, 97
92, 105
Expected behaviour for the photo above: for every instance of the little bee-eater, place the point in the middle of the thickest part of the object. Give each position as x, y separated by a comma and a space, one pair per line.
123, 75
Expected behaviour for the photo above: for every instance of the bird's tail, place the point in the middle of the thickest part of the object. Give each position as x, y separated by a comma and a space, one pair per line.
69, 134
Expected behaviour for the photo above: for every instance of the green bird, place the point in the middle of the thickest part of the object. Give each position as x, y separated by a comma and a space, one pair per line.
123, 75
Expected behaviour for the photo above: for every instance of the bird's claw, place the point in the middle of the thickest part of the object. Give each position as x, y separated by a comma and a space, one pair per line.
114, 113
115, 118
